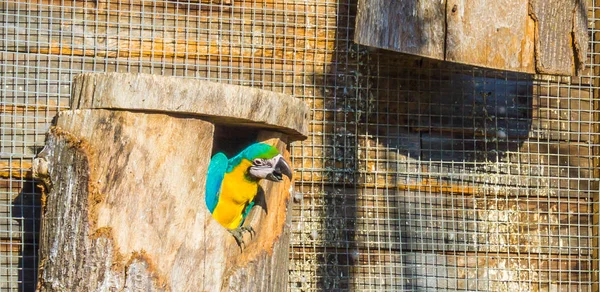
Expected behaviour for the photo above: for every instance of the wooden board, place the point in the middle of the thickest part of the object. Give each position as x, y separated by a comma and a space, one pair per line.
561, 37
428, 220
421, 33
493, 34
395, 156
185, 33
479, 107
548, 37
499, 272
442, 271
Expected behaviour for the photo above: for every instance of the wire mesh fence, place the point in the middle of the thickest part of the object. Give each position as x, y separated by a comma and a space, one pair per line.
417, 175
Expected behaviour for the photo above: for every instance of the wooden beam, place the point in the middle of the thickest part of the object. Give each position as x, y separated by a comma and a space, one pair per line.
15, 169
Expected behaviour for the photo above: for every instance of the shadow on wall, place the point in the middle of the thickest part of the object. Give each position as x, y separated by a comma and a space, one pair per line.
26, 207
391, 121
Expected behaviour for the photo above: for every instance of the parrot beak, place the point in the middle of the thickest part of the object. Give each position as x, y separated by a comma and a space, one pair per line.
281, 168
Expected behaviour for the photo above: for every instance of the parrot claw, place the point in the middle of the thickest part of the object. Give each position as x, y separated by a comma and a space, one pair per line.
248, 229
238, 234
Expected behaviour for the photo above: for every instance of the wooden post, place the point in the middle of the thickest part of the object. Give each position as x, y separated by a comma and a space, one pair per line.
124, 206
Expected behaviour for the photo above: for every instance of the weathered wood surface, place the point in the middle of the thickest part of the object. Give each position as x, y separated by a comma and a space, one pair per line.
561, 37
548, 37
222, 103
494, 34
454, 241
126, 210
430, 220
17, 169
186, 31
422, 31
473, 165
485, 272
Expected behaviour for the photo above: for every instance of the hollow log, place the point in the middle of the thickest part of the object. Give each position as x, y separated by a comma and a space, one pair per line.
124, 209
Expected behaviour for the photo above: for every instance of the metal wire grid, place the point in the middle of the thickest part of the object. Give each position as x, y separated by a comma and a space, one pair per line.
417, 175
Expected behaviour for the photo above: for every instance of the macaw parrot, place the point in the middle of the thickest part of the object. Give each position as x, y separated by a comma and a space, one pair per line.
232, 184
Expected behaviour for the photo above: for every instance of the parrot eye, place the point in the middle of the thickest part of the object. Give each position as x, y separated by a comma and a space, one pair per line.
257, 162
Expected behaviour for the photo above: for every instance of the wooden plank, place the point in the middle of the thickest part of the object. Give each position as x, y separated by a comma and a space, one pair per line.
183, 35
9, 271
513, 35
498, 272
16, 169
168, 6
442, 148
481, 107
414, 27
505, 168
385, 270
556, 169
430, 220
596, 199
539, 160
561, 38
494, 34
19, 211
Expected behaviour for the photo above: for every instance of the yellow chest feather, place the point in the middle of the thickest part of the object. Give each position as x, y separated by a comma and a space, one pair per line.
236, 193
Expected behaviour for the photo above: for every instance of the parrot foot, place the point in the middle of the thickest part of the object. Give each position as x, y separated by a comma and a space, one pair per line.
238, 234
248, 229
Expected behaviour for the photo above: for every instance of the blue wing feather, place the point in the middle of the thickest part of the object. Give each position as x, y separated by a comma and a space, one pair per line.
214, 178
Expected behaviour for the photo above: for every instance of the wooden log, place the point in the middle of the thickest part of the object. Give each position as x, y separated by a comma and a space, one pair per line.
126, 209
126, 188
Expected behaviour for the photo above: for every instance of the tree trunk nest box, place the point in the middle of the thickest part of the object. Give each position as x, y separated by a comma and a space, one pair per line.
124, 174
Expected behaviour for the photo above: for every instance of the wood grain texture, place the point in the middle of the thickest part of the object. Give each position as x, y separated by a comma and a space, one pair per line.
16, 169
547, 37
498, 272
222, 103
493, 34
414, 27
172, 30
126, 210
561, 38
429, 219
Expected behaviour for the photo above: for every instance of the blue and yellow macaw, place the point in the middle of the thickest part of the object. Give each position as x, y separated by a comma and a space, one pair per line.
232, 184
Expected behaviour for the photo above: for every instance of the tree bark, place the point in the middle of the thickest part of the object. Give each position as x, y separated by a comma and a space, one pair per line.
124, 209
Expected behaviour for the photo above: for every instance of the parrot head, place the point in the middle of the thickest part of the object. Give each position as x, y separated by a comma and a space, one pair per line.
267, 163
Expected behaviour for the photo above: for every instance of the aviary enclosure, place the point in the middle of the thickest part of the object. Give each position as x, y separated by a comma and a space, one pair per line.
417, 175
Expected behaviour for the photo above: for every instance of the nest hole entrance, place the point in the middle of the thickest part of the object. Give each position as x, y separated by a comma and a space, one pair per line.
231, 140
